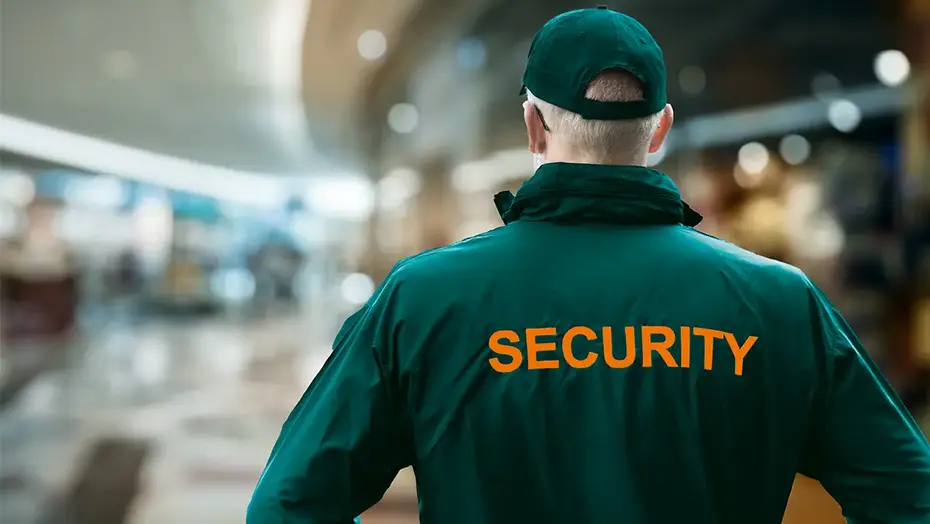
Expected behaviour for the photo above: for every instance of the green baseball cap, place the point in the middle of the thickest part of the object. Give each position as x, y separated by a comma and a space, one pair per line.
574, 47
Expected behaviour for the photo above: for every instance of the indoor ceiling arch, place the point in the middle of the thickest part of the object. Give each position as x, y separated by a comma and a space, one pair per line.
333, 70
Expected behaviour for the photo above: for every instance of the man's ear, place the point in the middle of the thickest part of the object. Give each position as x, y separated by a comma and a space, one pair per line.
534, 129
665, 125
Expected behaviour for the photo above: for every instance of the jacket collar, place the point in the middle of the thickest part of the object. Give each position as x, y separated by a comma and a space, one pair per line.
561, 192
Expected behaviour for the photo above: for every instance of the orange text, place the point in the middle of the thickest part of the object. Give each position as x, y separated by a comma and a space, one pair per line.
647, 346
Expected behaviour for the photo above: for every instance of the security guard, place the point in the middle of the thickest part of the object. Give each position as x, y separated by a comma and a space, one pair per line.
596, 359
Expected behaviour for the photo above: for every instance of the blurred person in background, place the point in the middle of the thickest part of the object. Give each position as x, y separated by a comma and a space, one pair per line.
596, 359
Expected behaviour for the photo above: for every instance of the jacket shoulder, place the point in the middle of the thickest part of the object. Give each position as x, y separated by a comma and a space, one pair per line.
462, 255
732, 257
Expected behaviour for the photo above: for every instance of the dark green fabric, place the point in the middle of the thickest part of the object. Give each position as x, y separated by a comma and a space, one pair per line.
693, 434
574, 47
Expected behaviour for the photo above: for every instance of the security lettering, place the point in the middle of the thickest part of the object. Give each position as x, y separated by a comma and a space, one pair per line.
658, 345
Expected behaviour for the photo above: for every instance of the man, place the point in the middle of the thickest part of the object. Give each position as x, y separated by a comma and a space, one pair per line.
596, 360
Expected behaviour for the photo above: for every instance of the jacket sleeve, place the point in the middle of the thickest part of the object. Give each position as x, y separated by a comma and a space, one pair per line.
346, 439
865, 448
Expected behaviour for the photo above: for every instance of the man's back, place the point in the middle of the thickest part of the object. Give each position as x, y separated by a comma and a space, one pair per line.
641, 422
575, 366
596, 360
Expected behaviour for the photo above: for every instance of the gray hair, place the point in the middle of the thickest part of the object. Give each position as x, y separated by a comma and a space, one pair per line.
603, 140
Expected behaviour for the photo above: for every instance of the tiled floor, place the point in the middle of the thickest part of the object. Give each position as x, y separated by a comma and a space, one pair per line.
210, 397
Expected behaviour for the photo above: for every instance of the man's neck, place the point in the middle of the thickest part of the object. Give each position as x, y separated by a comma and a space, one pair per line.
584, 157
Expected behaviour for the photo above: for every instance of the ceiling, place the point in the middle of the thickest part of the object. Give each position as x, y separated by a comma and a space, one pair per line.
260, 86
278, 86
335, 77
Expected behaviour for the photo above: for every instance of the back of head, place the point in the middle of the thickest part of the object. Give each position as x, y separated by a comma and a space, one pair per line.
595, 81
603, 141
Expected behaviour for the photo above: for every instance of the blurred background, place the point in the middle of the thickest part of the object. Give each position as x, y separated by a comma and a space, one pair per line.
195, 194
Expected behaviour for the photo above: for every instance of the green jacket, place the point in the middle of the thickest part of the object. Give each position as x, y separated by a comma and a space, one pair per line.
596, 360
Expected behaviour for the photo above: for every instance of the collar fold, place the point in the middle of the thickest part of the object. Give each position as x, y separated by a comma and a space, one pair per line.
561, 192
